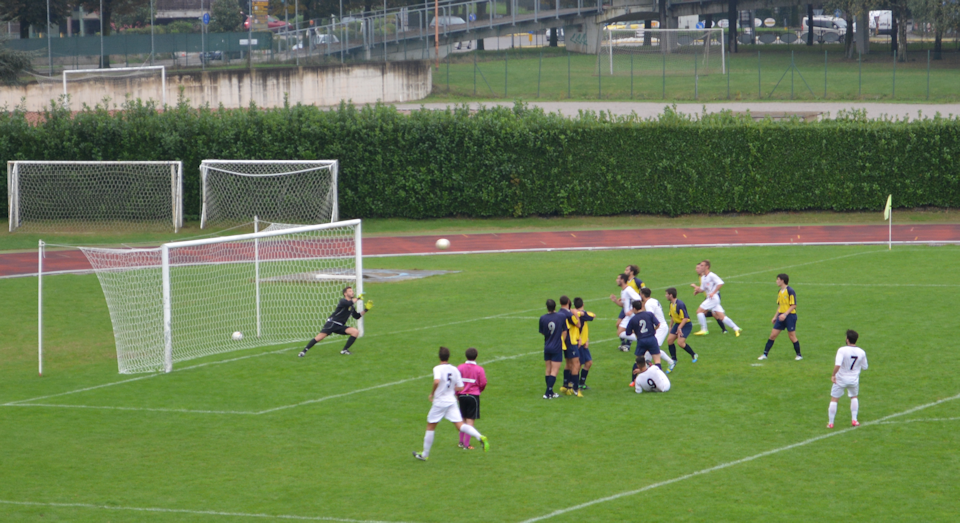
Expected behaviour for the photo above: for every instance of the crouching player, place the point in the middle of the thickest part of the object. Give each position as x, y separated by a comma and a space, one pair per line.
650, 378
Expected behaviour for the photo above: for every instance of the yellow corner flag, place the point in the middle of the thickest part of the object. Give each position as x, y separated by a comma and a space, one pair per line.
886, 210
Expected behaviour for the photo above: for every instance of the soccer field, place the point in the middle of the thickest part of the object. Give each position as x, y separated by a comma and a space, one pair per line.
263, 435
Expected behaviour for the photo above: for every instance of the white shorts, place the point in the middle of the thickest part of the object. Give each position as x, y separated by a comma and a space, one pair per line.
853, 390
662, 334
712, 304
451, 412
624, 322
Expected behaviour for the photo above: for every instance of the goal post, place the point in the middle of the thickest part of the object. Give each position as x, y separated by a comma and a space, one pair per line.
663, 51
126, 74
184, 300
286, 191
56, 196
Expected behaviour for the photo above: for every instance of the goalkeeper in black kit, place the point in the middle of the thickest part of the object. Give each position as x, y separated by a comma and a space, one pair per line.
337, 322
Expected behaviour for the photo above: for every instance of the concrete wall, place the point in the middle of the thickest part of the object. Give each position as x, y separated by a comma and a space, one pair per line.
325, 85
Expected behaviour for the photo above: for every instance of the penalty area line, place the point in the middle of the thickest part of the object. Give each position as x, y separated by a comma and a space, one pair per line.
880, 421
188, 511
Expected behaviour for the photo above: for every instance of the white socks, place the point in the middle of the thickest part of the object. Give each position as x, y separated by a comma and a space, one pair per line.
832, 411
467, 429
428, 442
702, 318
854, 408
632, 337
664, 357
729, 323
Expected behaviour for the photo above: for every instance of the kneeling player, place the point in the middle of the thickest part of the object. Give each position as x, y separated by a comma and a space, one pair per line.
650, 378
337, 322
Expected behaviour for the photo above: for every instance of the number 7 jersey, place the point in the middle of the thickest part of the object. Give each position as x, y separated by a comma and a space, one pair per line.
851, 360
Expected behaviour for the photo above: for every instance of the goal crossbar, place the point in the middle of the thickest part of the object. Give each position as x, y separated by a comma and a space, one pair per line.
161, 68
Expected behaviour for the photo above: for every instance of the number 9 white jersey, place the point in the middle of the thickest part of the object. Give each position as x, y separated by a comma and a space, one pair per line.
450, 379
652, 380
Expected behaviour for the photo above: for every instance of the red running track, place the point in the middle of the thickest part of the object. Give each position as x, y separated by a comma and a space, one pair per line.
25, 264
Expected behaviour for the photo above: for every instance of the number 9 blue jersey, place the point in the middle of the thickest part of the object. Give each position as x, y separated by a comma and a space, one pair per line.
552, 326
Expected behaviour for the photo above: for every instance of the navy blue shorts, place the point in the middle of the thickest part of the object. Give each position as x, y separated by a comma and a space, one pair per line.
585, 355
790, 324
572, 351
621, 315
553, 355
687, 329
647, 345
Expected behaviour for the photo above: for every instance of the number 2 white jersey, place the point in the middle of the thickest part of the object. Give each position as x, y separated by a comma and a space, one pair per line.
710, 282
449, 378
851, 360
652, 380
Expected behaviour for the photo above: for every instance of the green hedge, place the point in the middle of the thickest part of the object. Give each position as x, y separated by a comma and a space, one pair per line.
520, 161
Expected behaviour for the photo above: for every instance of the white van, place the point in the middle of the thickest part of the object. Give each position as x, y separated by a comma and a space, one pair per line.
881, 22
825, 25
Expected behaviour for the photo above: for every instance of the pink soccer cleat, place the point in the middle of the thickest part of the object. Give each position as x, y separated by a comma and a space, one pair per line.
855, 423
829, 425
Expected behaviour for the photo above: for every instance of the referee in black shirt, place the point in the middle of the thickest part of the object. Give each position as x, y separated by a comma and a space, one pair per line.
337, 322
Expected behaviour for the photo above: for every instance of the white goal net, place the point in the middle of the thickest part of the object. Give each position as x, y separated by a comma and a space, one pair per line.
662, 51
144, 83
85, 196
288, 191
185, 300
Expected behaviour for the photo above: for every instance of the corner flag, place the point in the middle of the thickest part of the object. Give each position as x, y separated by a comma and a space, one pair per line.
886, 210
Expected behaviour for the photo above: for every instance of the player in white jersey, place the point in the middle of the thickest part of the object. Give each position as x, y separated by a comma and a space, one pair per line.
652, 305
446, 383
650, 378
846, 376
710, 285
627, 296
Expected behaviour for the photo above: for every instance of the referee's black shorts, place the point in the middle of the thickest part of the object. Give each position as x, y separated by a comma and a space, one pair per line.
469, 406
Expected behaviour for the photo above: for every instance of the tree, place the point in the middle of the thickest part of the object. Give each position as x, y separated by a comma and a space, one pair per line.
942, 14
12, 63
225, 16
111, 7
852, 9
33, 12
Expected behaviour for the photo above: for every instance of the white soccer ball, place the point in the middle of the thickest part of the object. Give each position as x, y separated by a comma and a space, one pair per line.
237, 336
443, 244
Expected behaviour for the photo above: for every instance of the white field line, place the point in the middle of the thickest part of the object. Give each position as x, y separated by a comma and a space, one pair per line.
852, 284
729, 464
187, 511
496, 316
916, 421
627, 247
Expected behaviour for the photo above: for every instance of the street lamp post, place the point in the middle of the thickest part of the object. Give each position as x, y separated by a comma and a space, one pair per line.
101, 33
152, 23
49, 43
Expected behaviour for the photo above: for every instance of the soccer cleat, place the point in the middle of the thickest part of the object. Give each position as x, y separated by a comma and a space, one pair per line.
855, 423
579, 394
461, 445
762, 357
346, 352
486, 444
624, 348
584, 387
829, 425
632, 384
695, 357
737, 332
468, 447
302, 353
670, 368
555, 395
701, 333
419, 456
548, 396
563, 390
798, 358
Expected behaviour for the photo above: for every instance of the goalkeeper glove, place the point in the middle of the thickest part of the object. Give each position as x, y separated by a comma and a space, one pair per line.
367, 305
360, 297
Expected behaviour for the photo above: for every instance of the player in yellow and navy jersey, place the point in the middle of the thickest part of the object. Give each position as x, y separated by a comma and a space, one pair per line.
586, 360
681, 325
785, 317
571, 349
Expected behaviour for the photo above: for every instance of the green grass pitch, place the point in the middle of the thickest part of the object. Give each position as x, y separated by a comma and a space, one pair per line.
256, 434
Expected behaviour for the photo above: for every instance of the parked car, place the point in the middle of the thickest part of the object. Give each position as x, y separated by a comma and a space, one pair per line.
273, 24
447, 20
211, 55
824, 25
